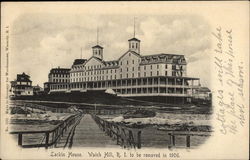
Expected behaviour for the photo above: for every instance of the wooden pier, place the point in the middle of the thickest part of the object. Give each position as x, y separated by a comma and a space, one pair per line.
89, 130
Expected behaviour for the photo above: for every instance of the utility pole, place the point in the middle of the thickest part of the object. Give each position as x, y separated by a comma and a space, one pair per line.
134, 26
97, 36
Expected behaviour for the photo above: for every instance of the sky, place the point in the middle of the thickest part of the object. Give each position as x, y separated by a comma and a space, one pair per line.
42, 41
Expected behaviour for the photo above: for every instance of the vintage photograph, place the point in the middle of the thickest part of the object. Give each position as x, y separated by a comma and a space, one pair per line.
127, 81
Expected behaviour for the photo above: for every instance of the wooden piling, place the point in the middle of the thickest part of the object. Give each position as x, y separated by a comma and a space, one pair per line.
47, 140
20, 139
188, 141
139, 139
173, 140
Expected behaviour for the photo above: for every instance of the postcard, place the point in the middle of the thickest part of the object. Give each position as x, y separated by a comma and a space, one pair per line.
125, 80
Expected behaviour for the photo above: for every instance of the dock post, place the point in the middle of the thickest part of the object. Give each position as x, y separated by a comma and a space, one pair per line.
173, 139
117, 136
188, 141
20, 139
139, 139
170, 139
47, 140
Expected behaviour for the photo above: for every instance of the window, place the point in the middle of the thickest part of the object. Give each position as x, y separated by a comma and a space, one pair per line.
157, 66
121, 69
133, 61
107, 71
144, 74
127, 75
144, 67
173, 73
133, 69
127, 69
111, 71
138, 68
127, 62
120, 75
121, 63
136, 45
151, 73
173, 67
139, 74
132, 75
115, 76
151, 66
157, 73
166, 66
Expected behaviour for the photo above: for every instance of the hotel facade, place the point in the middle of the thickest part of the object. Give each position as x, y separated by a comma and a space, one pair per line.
133, 75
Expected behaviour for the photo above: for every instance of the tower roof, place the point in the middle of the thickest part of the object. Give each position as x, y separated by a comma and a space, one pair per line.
97, 46
134, 39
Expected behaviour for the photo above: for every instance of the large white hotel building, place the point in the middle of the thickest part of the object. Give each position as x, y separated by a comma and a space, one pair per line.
132, 75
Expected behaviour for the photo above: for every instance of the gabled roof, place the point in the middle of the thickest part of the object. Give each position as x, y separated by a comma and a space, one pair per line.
137, 54
97, 46
134, 39
98, 59
23, 77
79, 61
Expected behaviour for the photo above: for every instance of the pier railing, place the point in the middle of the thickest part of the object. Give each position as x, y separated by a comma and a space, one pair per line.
124, 136
188, 134
131, 137
51, 136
